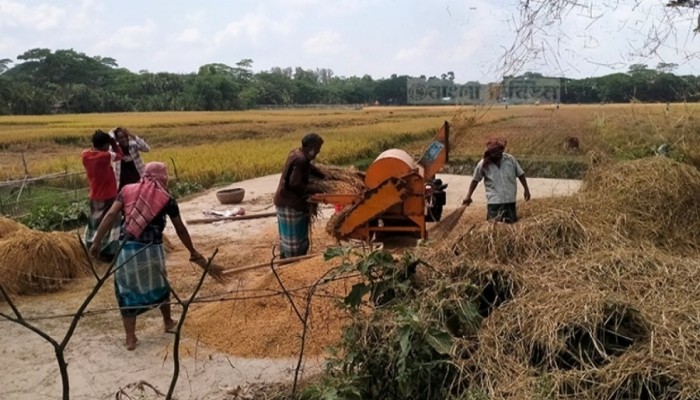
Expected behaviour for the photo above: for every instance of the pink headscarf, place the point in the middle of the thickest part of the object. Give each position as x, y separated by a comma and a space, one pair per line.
144, 200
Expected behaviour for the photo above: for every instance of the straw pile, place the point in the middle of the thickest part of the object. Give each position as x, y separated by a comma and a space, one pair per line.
612, 325
589, 297
653, 199
8, 227
596, 296
337, 180
267, 326
38, 262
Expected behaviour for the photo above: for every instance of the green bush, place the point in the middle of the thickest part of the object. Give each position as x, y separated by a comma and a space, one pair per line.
183, 188
61, 216
406, 346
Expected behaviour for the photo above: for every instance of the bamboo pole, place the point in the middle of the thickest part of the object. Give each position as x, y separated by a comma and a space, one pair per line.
232, 218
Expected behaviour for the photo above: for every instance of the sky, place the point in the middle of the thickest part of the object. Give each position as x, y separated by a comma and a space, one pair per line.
350, 37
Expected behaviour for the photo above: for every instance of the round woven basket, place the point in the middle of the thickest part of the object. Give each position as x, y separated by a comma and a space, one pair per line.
230, 196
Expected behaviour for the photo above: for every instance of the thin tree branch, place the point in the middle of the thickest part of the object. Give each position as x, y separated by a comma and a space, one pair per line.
87, 255
27, 325
305, 327
180, 324
10, 302
59, 348
284, 289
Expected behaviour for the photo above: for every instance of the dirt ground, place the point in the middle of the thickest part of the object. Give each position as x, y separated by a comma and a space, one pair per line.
99, 365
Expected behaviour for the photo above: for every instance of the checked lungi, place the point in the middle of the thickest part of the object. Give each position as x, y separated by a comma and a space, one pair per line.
110, 244
140, 280
294, 231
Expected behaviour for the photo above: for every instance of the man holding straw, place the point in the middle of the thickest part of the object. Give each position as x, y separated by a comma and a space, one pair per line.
293, 215
498, 170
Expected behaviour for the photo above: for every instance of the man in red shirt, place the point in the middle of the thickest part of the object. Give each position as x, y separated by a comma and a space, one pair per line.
103, 188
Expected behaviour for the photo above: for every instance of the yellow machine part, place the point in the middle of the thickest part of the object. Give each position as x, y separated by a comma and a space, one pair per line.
376, 201
393, 163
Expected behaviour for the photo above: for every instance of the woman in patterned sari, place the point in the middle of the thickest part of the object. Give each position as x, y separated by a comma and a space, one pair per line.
140, 279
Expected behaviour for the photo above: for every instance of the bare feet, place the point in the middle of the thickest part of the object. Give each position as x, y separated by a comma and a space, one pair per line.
131, 343
170, 326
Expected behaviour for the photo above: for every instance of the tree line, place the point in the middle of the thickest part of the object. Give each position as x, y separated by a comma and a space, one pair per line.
65, 81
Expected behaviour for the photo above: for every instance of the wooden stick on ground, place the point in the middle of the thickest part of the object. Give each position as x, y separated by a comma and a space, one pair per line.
232, 218
281, 261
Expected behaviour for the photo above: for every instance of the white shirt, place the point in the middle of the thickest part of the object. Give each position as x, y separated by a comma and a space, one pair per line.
499, 182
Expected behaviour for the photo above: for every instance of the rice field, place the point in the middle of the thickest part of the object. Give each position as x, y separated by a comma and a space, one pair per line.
213, 147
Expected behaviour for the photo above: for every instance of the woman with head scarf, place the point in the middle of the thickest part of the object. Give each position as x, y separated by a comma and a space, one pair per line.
498, 169
140, 279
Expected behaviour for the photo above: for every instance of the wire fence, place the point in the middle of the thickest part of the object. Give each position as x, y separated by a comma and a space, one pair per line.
21, 196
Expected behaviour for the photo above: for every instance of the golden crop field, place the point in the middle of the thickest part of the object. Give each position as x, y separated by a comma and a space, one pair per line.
620, 131
210, 147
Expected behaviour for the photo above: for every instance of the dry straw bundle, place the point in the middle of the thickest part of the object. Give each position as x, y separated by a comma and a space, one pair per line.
560, 233
654, 199
8, 227
37, 262
338, 180
588, 297
613, 325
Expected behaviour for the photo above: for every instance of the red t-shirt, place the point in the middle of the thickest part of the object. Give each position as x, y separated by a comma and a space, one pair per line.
98, 165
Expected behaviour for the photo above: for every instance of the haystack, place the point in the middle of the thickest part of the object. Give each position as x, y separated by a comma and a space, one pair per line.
553, 233
652, 199
594, 297
614, 325
38, 262
8, 227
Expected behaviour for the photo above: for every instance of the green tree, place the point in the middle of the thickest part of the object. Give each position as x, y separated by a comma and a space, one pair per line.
392, 90
5, 64
275, 87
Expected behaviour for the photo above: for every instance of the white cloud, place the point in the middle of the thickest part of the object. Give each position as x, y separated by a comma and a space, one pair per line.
130, 37
196, 17
419, 50
41, 17
343, 8
189, 35
299, 3
83, 16
7, 44
251, 26
326, 42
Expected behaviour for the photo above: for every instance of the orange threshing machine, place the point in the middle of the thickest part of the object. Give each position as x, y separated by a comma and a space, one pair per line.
395, 198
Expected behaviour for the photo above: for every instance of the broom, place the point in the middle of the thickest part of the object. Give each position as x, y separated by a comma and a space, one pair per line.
216, 271
447, 224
